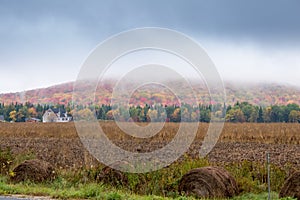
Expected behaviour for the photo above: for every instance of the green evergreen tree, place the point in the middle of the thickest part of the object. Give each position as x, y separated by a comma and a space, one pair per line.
260, 118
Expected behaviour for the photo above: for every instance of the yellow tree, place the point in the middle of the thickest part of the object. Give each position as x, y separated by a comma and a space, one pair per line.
84, 114
152, 115
235, 115
294, 116
13, 115
32, 112
194, 117
110, 115
176, 116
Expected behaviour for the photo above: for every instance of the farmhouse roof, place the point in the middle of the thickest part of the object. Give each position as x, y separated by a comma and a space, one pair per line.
62, 111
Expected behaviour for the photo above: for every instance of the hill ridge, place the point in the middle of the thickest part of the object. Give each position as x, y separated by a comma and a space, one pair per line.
256, 93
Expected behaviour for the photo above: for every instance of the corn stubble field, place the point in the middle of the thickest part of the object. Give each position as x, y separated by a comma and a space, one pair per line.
241, 149
60, 144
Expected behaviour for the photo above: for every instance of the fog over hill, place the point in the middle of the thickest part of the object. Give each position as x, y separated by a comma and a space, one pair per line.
256, 93
45, 43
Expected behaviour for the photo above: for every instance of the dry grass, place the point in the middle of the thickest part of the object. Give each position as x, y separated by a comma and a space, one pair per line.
59, 143
272, 133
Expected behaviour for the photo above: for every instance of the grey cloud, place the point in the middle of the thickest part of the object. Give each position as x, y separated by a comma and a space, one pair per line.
231, 18
60, 33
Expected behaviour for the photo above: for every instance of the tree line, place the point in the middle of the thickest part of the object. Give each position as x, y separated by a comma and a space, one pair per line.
19, 112
239, 112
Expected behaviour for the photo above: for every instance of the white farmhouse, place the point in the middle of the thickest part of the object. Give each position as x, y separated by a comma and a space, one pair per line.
52, 115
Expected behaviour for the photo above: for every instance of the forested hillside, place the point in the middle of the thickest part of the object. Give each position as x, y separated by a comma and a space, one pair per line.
257, 94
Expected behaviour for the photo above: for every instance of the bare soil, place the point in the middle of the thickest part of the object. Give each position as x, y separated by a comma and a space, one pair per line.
59, 144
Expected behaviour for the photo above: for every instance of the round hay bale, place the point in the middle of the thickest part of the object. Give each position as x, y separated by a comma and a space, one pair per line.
33, 170
111, 176
291, 187
208, 182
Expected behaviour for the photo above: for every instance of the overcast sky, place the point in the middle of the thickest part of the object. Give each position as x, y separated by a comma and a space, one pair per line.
43, 43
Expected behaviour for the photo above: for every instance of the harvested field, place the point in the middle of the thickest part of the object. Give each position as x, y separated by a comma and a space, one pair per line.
59, 144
